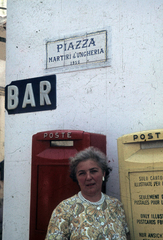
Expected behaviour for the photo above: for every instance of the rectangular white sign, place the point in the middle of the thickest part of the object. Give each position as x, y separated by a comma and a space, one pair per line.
80, 50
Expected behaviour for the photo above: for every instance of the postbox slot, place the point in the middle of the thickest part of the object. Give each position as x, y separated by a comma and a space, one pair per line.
58, 143
152, 144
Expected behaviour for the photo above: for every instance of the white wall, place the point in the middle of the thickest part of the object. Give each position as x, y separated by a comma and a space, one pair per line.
2, 109
2, 93
124, 98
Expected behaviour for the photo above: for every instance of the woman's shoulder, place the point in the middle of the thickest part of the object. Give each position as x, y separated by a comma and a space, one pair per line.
69, 201
65, 205
112, 200
115, 206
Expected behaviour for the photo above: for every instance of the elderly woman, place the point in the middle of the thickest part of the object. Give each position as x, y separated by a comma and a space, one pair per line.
90, 214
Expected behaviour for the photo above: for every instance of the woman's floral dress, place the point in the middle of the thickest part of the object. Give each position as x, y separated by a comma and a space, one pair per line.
77, 220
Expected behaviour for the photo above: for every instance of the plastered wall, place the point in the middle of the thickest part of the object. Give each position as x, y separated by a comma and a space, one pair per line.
2, 91
123, 98
2, 110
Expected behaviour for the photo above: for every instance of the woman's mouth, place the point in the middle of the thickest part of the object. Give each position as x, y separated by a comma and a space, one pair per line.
90, 184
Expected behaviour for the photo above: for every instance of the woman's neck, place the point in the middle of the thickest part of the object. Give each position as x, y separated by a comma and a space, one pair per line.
99, 202
92, 198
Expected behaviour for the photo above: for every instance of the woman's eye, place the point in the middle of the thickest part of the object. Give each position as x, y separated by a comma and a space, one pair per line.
93, 171
81, 173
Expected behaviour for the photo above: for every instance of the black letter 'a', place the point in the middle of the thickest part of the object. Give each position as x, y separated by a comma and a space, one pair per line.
92, 42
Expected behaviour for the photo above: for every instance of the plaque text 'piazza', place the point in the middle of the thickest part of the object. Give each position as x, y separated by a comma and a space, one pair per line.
82, 50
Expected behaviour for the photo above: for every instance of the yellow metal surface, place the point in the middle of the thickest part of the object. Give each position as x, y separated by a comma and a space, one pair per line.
141, 183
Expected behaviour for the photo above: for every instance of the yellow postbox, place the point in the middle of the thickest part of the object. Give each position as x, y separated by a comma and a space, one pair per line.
141, 183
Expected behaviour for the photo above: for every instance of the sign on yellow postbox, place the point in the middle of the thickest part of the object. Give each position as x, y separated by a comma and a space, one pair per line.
141, 183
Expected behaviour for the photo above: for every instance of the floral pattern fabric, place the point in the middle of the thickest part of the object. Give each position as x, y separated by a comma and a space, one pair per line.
74, 219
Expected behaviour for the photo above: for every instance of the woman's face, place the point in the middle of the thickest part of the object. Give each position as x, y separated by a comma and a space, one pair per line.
89, 176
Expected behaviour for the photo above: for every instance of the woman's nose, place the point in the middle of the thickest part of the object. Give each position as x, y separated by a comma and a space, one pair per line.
88, 176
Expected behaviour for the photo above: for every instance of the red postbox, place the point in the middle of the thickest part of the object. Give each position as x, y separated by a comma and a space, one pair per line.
50, 181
